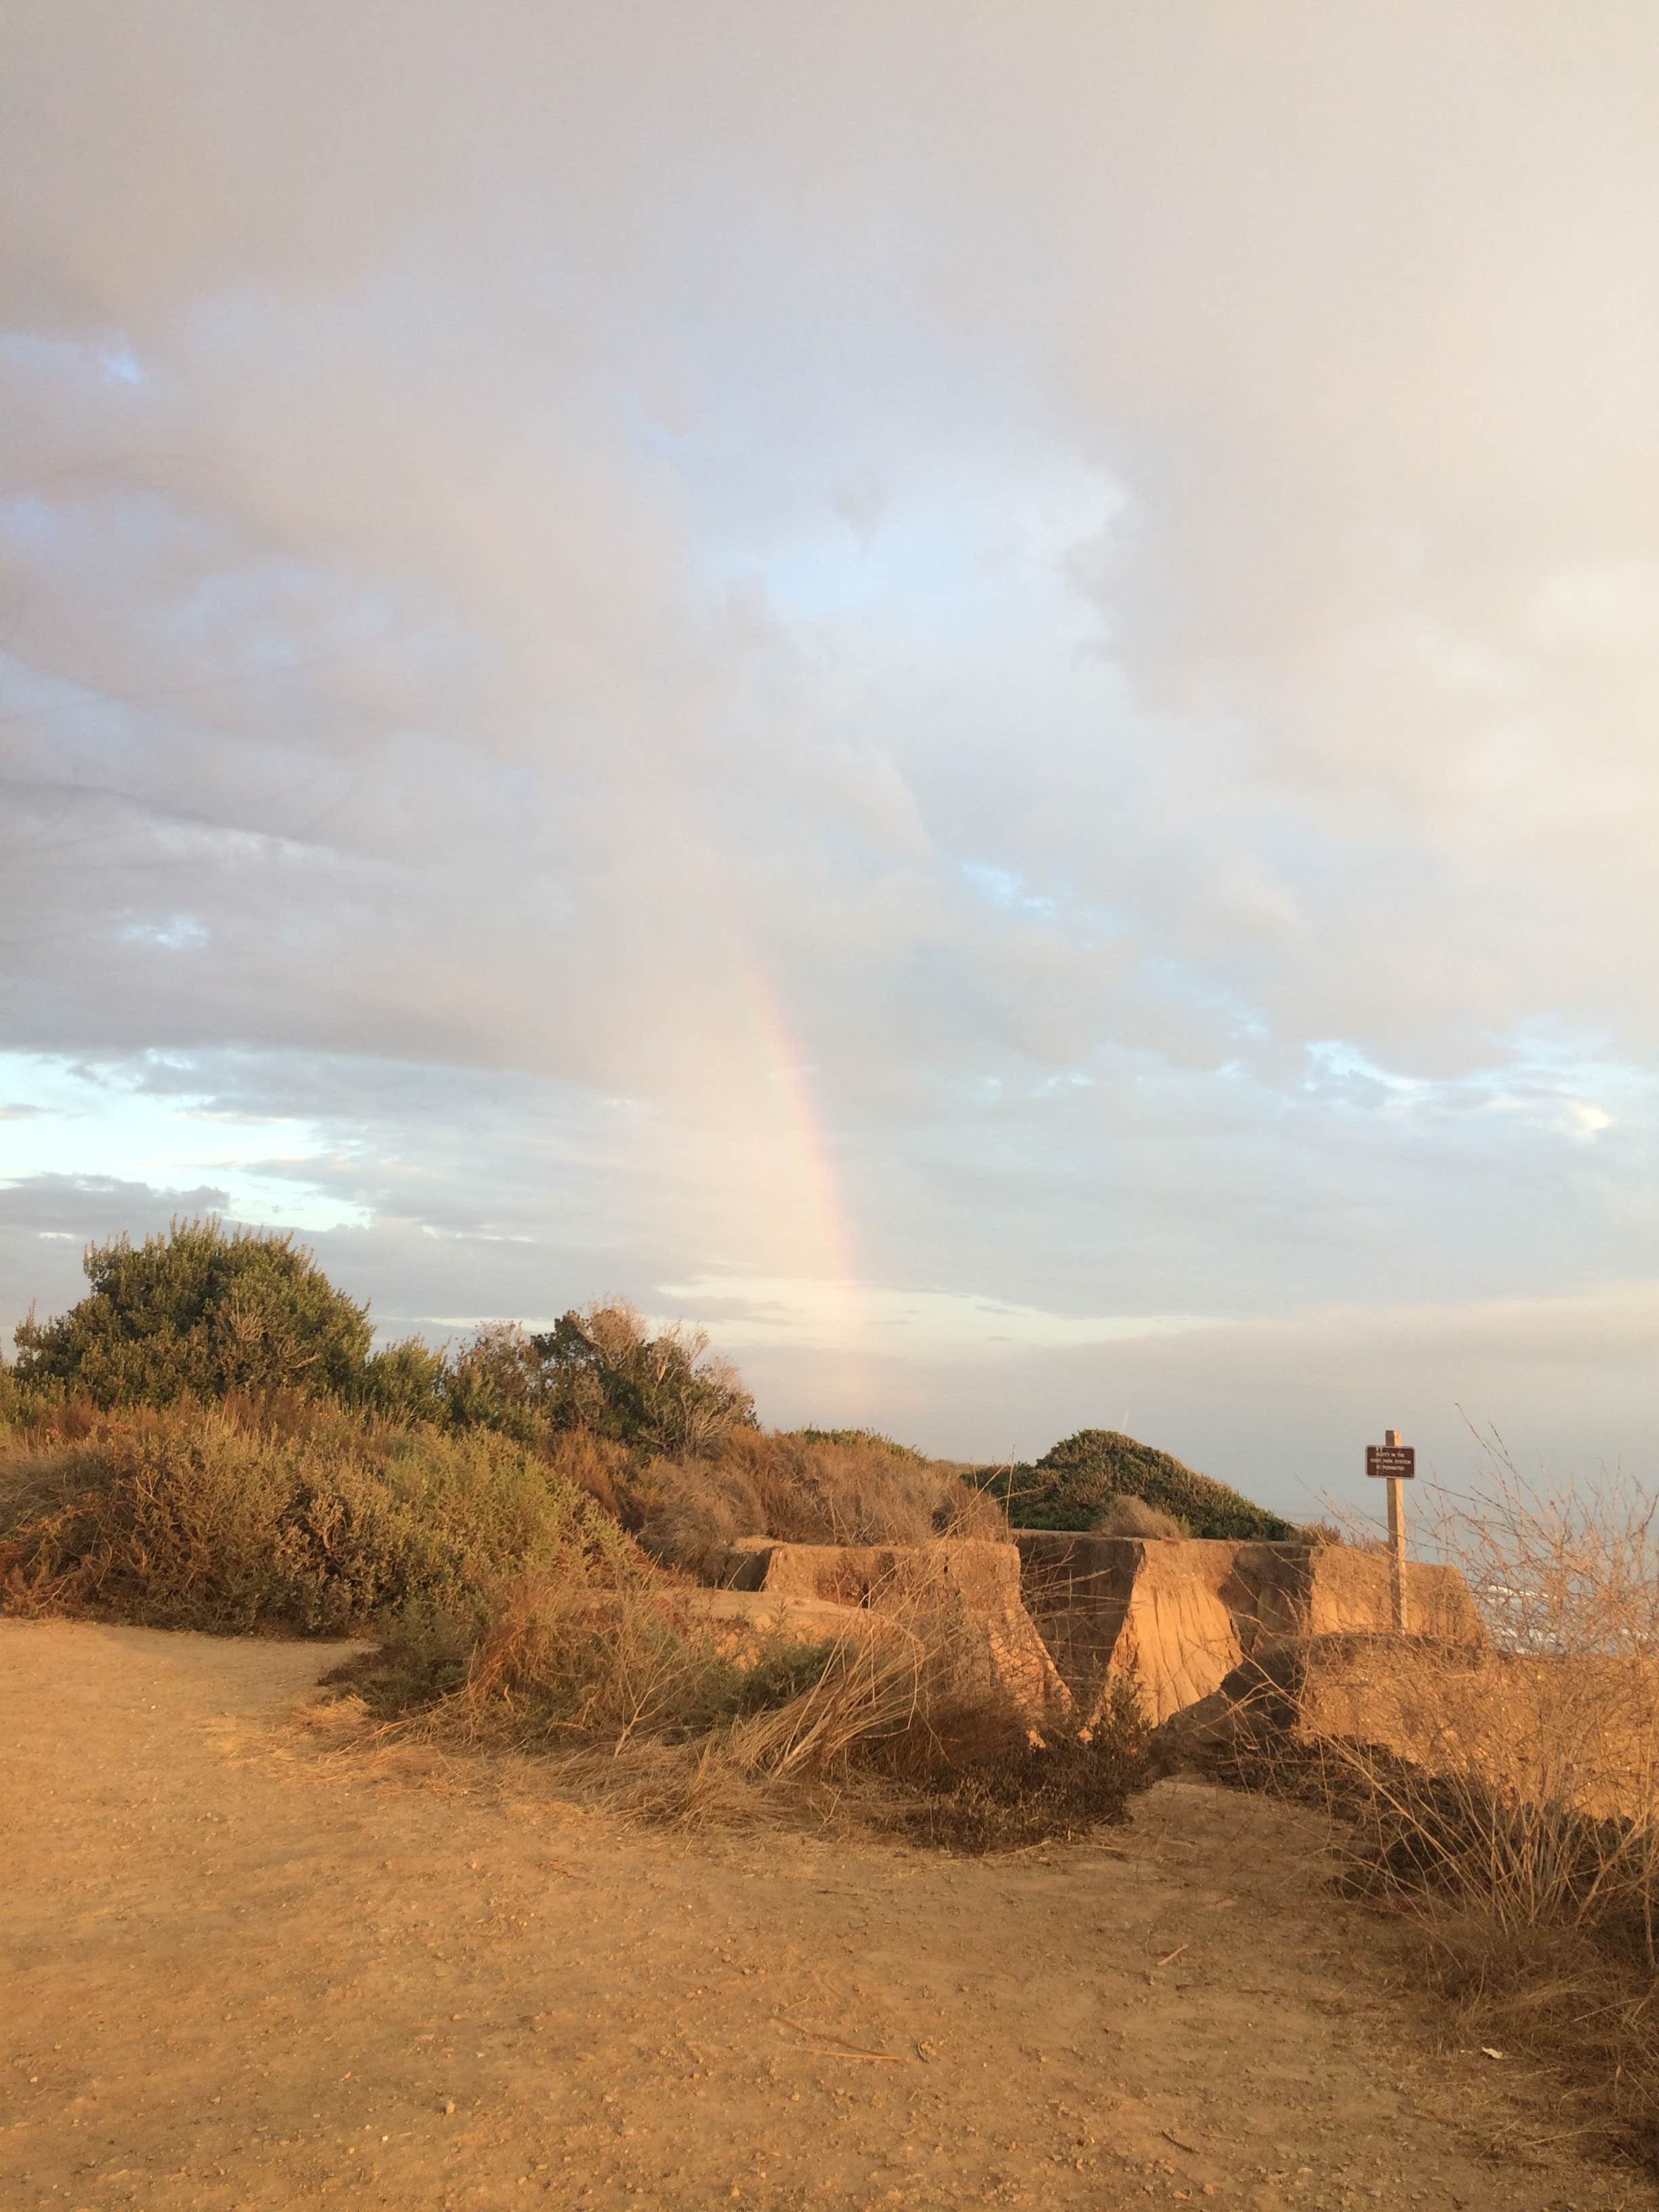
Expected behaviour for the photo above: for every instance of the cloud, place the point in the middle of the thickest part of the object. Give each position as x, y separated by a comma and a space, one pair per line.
47, 1221
1006, 662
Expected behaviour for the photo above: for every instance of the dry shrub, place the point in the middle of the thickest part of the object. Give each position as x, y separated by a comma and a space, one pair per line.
1017, 1791
1125, 1514
687, 1517
1556, 1746
1323, 1532
1536, 1917
198, 1518
564, 1663
870, 1699
595, 1464
643, 1700
803, 1490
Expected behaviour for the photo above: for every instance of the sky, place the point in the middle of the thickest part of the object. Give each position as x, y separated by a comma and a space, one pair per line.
972, 693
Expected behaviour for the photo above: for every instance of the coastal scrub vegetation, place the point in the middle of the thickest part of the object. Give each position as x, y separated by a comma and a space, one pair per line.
204, 1312
1076, 1483
209, 1441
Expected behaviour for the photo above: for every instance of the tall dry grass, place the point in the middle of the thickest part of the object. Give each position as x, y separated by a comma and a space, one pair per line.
1507, 1799
803, 1490
638, 1695
511, 1608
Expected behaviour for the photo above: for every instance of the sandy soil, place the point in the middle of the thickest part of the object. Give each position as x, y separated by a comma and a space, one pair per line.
242, 1971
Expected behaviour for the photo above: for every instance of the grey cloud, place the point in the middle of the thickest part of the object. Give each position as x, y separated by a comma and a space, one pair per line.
1284, 1409
47, 1220
527, 578
91, 1207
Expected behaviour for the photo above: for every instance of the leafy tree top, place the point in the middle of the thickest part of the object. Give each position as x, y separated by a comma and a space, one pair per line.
200, 1311
599, 1368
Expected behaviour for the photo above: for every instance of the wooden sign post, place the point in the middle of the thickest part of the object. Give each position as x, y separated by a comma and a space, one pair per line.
1395, 1463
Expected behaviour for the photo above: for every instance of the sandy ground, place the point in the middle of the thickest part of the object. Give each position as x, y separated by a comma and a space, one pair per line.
242, 1971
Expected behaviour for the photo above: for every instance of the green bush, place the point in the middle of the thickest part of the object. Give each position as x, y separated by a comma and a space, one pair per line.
198, 1313
600, 1370
1071, 1486
206, 1313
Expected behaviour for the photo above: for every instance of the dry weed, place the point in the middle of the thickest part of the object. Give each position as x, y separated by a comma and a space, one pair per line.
802, 1489
636, 1696
1508, 1800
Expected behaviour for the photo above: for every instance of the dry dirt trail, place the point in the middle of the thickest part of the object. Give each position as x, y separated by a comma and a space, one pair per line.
240, 1973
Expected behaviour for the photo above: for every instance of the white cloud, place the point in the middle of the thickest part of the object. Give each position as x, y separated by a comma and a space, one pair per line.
822, 648
747, 1312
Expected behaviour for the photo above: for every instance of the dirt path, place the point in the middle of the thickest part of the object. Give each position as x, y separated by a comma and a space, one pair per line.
239, 1975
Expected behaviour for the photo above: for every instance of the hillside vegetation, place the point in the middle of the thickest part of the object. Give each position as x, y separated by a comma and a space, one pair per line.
657, 1431
307, 1518
209, 1440
1075, 1485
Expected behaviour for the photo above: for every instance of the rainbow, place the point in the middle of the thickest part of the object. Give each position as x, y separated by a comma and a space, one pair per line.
757, 1102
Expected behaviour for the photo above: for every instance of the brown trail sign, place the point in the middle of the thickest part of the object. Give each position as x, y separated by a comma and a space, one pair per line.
1395, 1463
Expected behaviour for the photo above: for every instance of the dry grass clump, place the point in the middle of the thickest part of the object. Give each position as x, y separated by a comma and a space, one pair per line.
802, 1489
1125, 1514
514, 1609
637, 1696
636, 1690
1015, 1789
563, 1662
1535, 1918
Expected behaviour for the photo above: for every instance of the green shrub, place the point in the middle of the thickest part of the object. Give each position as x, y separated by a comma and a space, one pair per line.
204, 1313
1070, 1487
402, 1382
599, 1368
193, 1519
198, 1313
